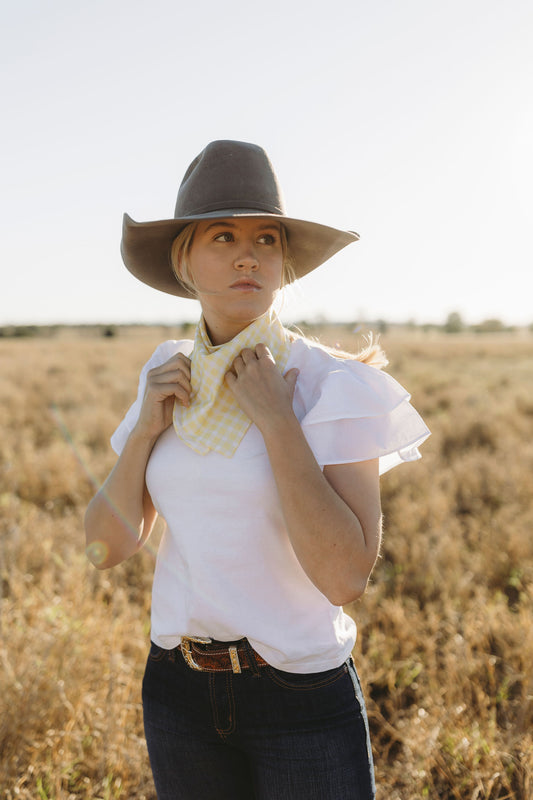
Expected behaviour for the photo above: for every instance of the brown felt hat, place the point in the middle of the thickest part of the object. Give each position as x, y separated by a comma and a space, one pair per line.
227, 179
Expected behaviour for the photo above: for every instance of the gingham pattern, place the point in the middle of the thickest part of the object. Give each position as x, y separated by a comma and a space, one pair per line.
214, 420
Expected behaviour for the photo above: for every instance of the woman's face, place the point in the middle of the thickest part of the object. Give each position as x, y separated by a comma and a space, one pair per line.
236, 265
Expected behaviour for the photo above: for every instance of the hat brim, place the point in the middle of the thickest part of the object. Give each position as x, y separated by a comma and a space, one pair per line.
146, 246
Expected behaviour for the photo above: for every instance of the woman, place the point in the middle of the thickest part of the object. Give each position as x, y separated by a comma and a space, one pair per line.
262, 451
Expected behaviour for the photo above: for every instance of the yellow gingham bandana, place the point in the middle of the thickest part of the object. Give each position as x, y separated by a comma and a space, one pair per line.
214, 420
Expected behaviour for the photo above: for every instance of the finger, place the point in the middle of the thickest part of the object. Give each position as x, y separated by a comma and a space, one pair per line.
185, 365
291, 377
162, 391
182, 396
170, 382
179, 361
247, 355
171, 376
238, 365
182, 363
230, 378
181, 357
182, 393
262, 351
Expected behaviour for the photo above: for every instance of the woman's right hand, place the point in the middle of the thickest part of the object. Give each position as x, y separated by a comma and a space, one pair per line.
164, 384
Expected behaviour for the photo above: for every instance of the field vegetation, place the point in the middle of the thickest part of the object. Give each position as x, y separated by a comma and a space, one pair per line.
445, 647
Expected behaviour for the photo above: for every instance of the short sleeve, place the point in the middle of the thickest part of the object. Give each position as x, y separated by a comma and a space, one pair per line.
162, 353
359, 413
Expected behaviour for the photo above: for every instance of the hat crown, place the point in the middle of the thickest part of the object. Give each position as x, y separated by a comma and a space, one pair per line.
227, 179
230, 175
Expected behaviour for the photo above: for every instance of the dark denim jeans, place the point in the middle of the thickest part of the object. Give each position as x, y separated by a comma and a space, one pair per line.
267, 736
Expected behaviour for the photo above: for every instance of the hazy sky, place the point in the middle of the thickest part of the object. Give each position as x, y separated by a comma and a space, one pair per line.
409, 121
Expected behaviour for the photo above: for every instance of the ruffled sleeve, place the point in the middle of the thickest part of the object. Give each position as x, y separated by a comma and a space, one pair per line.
354, 412
161, 354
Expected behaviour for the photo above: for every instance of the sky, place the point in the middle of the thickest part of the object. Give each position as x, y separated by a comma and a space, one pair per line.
409, 121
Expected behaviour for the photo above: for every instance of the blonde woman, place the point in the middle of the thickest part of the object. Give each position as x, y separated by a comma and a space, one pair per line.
262, 451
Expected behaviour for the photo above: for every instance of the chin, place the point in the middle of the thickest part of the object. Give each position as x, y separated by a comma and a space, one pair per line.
250, 311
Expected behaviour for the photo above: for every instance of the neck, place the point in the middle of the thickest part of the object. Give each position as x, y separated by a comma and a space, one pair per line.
223, 333
218, 336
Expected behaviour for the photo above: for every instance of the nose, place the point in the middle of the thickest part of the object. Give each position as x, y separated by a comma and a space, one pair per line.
246, 259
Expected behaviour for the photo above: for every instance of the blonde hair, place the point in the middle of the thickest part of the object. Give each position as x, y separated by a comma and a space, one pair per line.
372, 353
179, 256
181, 247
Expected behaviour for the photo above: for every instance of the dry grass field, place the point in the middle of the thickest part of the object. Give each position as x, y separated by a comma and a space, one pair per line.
445, 645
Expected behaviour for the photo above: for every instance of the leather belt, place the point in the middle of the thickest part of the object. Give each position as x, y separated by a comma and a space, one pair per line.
205, 655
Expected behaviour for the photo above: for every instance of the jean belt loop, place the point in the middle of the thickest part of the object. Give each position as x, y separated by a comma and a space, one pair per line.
252, 659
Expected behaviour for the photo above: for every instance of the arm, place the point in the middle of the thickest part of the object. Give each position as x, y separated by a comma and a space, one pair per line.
121, 516
333, 518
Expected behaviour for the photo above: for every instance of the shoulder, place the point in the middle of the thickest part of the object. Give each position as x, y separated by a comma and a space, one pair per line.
351, 411
322, 373
320, 359
312, 359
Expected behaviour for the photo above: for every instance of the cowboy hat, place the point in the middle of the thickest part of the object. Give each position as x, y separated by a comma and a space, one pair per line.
227, 179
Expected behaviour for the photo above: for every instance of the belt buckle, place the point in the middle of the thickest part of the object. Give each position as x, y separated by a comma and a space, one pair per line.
185, 647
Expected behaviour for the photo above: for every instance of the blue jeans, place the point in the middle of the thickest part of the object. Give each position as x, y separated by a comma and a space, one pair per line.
268, 735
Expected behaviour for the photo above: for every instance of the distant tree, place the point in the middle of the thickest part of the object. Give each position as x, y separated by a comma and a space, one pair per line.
109, 331
454, 323
490, 326
25, 330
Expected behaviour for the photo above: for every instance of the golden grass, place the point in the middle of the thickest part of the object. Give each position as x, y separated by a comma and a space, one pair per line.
445, 630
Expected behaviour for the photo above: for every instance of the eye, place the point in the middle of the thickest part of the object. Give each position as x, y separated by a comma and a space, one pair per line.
267, 238
227, 236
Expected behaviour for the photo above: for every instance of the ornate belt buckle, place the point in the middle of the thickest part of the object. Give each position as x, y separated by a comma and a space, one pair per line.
185, 646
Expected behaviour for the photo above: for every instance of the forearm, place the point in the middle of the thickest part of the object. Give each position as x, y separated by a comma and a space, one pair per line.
120, 517
333, 519
336, 546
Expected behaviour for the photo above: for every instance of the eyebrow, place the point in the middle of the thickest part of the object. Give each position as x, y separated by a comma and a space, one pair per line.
222, 224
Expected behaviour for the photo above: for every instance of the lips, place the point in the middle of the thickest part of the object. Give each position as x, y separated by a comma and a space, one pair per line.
246, 283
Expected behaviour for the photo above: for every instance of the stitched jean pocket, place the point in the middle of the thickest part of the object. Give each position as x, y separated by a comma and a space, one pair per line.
157, 653
305, 681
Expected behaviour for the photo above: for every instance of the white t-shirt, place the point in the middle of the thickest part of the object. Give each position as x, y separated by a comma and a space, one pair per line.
225, 567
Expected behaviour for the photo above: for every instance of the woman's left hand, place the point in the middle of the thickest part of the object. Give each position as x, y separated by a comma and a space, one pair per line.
263, 393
